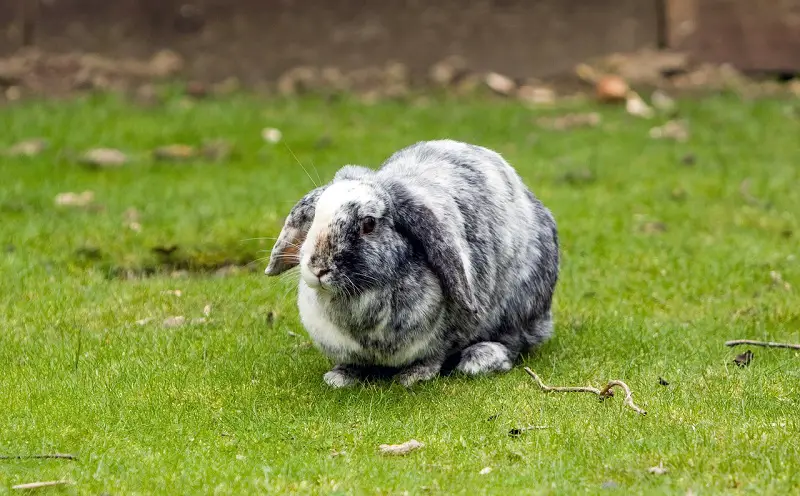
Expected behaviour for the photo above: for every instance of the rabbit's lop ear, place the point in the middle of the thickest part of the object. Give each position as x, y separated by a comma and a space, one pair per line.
438, 242
285, 253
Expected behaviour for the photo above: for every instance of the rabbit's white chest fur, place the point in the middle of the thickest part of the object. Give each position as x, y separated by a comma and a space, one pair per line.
341, 346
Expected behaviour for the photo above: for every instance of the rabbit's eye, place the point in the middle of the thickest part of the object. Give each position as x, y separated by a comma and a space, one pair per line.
367, 225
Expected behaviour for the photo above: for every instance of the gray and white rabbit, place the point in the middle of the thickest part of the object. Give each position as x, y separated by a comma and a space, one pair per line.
441, 255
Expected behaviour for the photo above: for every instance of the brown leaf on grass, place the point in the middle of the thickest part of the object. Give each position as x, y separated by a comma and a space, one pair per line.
537, 95
658, 470
743, 359
28, 148
611, 88
174, 153
207, 310
662, 101
70, 199
400, 449
654, 227
635, 106
104, 158
674, 130
175, 321
569, 121
500, 84
173, 292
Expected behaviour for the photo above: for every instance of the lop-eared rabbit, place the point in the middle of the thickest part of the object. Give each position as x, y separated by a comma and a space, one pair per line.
442, 255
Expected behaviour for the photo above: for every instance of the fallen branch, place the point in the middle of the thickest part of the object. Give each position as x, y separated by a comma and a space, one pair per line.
61, 456
766, 344
604, 393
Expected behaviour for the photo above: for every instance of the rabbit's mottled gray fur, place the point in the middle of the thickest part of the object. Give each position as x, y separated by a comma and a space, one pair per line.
456, 258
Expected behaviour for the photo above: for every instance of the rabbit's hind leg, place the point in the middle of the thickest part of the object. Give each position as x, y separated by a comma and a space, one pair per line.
485, 357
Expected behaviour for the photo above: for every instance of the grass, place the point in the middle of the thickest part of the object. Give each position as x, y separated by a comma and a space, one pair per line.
238, 406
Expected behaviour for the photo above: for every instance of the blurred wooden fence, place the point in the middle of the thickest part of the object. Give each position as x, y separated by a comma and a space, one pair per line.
258, 39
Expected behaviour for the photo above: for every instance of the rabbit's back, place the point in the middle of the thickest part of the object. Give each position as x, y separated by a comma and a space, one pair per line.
509, 235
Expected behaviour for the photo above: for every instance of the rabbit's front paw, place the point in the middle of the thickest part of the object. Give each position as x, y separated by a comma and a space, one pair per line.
417, 373
341, 377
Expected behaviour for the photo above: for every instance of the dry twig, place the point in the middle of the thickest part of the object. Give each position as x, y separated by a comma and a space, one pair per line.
61, 456
766, 344
604, 393
37, 485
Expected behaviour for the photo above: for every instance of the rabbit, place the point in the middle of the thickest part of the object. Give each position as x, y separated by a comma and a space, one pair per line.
442, 255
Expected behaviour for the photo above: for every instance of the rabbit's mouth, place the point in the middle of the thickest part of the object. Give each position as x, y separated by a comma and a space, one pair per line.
316, 278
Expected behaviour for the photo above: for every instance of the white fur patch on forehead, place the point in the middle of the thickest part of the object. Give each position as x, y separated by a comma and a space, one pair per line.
336, 195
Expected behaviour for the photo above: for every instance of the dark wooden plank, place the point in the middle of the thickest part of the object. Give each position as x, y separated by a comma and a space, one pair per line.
10, 28
752, 35
259, 39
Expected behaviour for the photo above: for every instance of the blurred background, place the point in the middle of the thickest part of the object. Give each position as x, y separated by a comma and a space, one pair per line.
375, 46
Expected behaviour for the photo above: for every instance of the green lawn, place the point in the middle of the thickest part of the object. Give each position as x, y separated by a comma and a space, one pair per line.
664, 258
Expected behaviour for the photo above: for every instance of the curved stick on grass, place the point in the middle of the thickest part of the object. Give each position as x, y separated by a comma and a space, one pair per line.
606, 392
61, 456
766, 344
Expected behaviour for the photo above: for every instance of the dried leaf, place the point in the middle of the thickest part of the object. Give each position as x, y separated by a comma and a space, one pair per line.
662, 101
673, 130
743, 359
207, 310
175, 321
144, 321
400, 449
104, 158
70, 199
500, 84
537, 95
173, 292
174, 153
611, 88
659, 470
28, 148
271, 135
653, 227
634, 105
569, 121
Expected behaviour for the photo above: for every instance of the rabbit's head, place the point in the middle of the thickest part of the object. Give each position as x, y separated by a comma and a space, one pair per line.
355, 234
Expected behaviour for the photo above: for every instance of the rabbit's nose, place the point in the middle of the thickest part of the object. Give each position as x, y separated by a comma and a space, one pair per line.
320, 272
